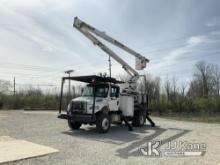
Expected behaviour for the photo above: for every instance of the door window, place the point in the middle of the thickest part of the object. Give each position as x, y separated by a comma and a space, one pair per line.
114, 92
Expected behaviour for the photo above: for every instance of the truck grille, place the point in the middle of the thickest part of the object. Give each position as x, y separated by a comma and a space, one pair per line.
79, 106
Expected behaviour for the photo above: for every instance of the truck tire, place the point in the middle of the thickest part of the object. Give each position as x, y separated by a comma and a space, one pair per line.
74, 125
138, 119
103, 123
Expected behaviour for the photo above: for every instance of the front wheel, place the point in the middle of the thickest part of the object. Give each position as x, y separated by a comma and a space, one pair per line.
74, 125
103, 123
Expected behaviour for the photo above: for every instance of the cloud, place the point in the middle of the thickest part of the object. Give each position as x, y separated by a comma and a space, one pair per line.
215, 21
196, 40
40, 37
181, 60
189, 46
215, 33
39, 4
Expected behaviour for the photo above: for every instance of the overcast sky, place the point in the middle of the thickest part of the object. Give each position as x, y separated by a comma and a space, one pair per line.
38, 41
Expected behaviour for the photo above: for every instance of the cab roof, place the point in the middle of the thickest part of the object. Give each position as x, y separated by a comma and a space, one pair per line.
93, 79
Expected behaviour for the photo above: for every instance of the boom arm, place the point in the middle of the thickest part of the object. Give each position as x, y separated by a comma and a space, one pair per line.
88, 31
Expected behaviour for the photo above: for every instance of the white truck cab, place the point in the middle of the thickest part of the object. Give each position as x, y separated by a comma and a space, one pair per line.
106, 95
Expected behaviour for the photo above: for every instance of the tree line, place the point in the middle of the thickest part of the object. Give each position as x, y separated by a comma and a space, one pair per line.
200, 96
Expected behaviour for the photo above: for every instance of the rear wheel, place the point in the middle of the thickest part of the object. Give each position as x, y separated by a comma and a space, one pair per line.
138, 119
103, 123
74, 125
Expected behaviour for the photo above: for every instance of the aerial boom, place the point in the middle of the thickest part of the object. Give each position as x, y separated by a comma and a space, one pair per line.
88, 31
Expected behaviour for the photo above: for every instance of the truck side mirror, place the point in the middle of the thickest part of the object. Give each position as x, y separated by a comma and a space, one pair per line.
82, 91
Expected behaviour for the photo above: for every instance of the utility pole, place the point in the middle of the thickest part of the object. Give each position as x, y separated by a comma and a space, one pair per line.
69, 72
14, 85
110, 66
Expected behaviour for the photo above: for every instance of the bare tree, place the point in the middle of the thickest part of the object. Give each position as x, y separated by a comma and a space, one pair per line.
78, 90
157, 88
73, 91
174, 86
195, 88
167, 87
204, 74
4, 86
216, 79
123, 77
183, 89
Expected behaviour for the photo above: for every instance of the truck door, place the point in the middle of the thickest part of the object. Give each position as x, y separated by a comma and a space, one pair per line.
114, 98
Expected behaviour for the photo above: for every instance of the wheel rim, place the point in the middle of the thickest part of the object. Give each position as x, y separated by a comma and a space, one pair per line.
105, 123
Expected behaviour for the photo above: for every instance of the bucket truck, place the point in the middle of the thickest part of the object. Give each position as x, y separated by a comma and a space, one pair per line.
105, 100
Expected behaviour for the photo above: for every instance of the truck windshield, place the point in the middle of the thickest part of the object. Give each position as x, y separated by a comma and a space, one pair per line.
101, 90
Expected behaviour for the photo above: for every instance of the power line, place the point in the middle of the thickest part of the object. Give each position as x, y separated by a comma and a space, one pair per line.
14, 86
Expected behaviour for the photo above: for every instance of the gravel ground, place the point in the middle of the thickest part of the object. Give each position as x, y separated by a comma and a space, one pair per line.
119, 146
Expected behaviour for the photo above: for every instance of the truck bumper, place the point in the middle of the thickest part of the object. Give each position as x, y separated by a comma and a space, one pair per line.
84, 118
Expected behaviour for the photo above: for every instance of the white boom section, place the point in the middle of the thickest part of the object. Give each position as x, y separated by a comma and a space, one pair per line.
87, 30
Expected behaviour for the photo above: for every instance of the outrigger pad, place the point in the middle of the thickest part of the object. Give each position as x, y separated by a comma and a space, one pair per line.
151, 121
130, 128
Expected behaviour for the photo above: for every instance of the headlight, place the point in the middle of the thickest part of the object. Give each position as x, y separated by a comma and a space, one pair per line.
68, 107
